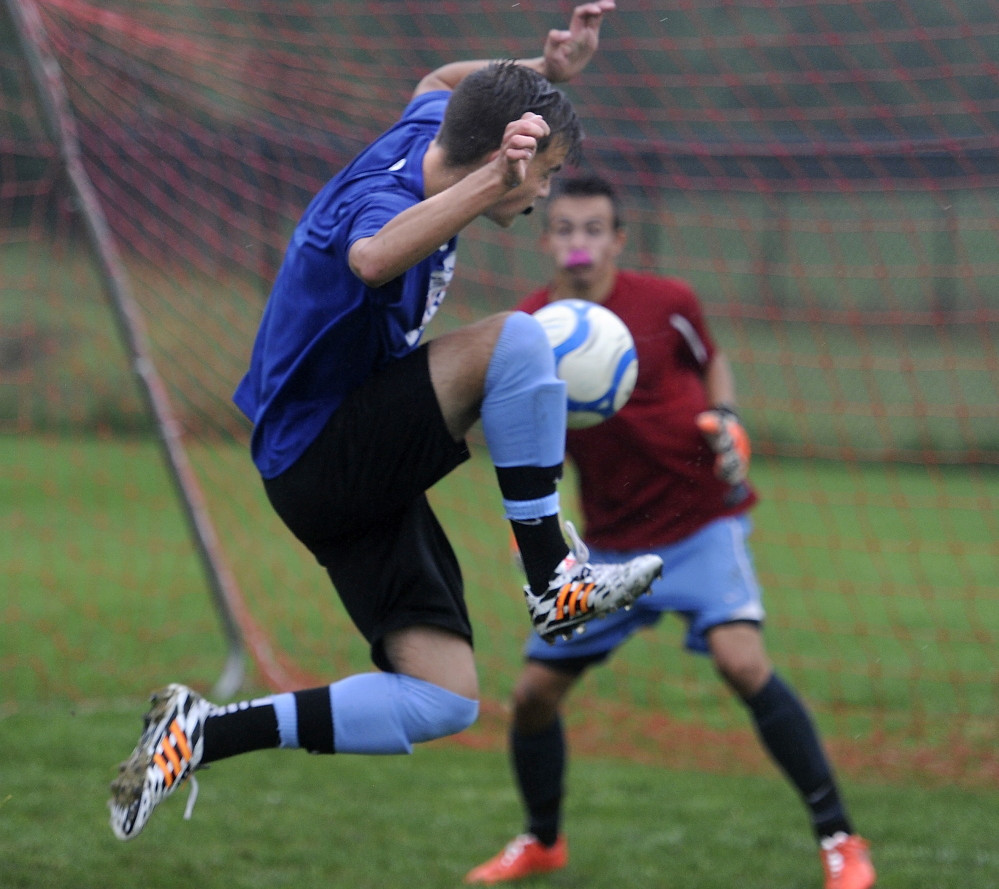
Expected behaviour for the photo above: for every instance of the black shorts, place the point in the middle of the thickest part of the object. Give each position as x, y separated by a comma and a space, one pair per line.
357, 499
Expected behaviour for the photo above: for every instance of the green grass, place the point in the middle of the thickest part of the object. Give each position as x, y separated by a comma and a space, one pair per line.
862, 571
104, 601
283, 818
93, 538
879, 584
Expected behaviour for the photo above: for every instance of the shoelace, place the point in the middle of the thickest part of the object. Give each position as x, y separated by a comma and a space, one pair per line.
833, 848
579, 549
515, 847
192, 797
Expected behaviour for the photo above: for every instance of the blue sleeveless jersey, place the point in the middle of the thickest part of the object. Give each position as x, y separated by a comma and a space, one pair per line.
323, 331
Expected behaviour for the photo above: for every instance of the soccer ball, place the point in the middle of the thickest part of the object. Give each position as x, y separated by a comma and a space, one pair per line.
594, 355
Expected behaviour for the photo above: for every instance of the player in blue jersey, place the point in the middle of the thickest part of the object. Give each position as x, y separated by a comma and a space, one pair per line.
355, 419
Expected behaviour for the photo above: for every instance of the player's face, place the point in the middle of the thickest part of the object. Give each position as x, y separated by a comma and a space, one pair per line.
536, 184
582, 239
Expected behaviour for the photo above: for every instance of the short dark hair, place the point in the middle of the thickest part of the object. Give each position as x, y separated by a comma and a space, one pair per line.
487, 100
587, 186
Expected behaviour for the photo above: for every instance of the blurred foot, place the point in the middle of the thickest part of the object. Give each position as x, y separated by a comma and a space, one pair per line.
846, 862
168, 752
523, 856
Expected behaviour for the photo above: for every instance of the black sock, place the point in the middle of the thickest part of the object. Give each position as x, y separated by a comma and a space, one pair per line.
541, 543
253, 725
240, 728
788, 733
539, 765
315, 720
542, 546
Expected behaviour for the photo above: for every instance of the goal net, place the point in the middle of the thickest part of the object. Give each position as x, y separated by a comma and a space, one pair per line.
826, 175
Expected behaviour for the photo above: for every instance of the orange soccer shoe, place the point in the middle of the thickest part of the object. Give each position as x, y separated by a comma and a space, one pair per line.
523, 856
846, 862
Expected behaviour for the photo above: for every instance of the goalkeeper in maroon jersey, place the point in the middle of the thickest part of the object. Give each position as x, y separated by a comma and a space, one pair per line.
666, 474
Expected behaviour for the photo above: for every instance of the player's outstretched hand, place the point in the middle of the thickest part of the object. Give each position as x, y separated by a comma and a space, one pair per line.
728, 439
568, 52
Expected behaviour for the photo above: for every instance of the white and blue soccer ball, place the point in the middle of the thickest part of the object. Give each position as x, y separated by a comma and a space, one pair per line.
594, 355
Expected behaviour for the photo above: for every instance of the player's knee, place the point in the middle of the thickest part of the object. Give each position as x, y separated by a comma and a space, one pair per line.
433, 712
523, 410
534, 707
740, 657
522, 356
745, 673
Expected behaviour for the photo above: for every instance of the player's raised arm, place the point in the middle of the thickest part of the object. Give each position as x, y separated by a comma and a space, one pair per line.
565, 54
419, 230
568, 52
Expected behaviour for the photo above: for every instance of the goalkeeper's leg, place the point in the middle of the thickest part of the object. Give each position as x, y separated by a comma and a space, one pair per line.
538, 755
788, 733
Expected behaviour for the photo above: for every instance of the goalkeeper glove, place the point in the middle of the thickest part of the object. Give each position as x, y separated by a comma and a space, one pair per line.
728, 439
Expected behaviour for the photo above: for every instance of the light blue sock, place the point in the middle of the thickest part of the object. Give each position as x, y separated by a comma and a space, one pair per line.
287, 718
524, 408
389, 712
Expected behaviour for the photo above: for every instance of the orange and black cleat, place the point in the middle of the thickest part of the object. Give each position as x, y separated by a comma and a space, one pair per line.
168, 752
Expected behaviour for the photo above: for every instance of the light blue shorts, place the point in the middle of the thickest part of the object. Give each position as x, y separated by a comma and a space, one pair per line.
708, 579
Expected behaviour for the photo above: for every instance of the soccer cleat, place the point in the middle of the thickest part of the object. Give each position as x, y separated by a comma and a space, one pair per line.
846, 862
523, 856
168, 752
580, 591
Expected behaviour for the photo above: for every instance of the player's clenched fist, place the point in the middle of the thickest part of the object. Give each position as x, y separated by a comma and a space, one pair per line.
728, 439
520, 144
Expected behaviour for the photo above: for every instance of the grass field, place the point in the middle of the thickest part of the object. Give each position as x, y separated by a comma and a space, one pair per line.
97, 527
286, 819
105, 601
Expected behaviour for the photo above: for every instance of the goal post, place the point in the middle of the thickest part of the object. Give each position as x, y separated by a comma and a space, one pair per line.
58, 117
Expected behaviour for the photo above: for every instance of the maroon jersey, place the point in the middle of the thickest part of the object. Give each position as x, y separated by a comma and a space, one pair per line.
646, 475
